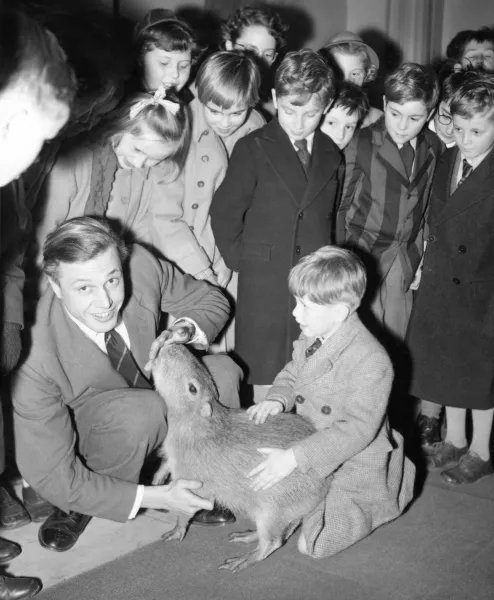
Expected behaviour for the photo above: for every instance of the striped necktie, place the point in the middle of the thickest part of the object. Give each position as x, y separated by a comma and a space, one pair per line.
303, 154
466, 171
123, 362
313, 348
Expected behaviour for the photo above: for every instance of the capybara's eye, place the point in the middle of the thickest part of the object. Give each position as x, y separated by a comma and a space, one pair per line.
192, 388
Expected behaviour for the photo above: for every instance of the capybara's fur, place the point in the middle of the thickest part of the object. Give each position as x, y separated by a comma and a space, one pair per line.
218, 446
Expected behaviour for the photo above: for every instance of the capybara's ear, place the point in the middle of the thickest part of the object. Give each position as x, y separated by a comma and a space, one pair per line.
206, 409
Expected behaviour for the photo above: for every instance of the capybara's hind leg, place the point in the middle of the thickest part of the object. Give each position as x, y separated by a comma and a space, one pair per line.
245, 537
179, 531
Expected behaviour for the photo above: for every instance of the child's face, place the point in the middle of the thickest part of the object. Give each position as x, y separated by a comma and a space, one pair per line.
225, 121
352, 67
298, 121
443, 123
319, 319
24, 128
340, 125
474, 136
404, 121
256, 39
142, 150
172, 69
478, 54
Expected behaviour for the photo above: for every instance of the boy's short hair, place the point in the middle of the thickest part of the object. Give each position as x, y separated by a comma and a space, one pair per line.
353, 99
247, 16
457, 45
303, 74
412, 82
229, 79
474, 95
78, 240
329, 275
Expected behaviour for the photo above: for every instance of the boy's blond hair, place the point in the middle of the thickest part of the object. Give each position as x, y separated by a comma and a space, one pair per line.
329, 275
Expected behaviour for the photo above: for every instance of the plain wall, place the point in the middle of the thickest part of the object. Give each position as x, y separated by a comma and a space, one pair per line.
465, 14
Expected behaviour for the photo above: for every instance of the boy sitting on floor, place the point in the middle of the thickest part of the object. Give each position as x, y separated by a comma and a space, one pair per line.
340, 379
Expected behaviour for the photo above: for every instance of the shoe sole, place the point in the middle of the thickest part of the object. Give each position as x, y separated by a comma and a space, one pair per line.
3, 561
17, 524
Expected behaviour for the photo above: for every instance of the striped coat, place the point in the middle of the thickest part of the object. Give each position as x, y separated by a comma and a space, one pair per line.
343, 389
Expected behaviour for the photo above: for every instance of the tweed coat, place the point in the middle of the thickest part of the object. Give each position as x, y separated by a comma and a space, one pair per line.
266, 215
64, 370
451, 330
382, 211
343, 389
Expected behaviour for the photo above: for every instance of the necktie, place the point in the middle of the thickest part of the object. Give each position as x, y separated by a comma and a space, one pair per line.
122, 360
465, 172
303, 154
313, 347
407, 156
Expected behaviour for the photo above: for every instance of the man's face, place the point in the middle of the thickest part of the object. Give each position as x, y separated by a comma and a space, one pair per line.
93, 291
171, 69
24, 129
258, 40
474, 136
404, 121
225, 121
298, 121
443, 123
478, 54
339, 125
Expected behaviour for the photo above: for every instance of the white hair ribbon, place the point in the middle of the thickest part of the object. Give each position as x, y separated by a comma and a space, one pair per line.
159, 97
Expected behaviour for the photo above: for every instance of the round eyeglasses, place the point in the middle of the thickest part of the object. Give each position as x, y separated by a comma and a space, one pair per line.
269, 55
444, 119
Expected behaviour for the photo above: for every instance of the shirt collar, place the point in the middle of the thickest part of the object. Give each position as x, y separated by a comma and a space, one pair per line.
475, 162
310, 142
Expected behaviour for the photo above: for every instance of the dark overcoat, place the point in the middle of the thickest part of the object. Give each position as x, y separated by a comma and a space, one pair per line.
451, 331
265, 216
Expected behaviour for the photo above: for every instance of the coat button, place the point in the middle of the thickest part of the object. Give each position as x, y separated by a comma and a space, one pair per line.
195, 206
431, 238
200, 184
456, 280
205, 158
462, 249
326, 410
206, 132
191, 227
299, 399
298, 249
301, 215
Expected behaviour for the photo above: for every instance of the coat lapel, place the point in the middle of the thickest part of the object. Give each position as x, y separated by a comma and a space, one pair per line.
424, 156
388, 154
283, 159
324, 166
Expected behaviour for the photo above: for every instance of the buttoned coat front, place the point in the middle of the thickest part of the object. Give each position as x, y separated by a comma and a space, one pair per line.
343, 389
451, 330
266, 215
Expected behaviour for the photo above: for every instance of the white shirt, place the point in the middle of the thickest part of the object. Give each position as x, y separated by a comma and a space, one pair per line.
310, 142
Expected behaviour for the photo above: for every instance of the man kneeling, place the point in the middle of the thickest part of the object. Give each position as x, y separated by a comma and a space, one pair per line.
86, 416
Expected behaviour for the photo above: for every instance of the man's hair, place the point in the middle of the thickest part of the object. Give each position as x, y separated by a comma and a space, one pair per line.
172, 128
474, 95
303, 74
353, 99
32, 61
412, 82
229, 79
457, 45
79, 240
329, 275
263, 16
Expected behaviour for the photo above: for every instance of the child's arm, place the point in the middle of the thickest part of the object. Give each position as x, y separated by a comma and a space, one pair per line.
230, 203
282, 388
352, 176
260, 412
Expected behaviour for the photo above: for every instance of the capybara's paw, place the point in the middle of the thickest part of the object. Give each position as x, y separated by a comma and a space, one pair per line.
177, 533
238, 564
244, 537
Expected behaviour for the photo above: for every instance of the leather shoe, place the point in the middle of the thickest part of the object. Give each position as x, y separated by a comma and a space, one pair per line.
8, 550
470, 469
445, 455
17, 588
38, 508
217, 516
12, 513
430, 432
62, 530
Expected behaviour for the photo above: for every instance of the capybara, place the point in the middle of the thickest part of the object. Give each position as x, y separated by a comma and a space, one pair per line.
218, 446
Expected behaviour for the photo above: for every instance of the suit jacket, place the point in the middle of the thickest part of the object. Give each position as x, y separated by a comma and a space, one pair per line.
64, 369
451, 330
266, 215
343, 389
383, 211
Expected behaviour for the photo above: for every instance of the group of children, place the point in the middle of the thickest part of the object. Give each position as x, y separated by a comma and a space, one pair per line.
194, 172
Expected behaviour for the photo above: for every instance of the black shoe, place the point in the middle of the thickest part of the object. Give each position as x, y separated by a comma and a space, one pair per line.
62, 530
18, 588
430, 432
12, 513
8, 550
217, 516
38, 508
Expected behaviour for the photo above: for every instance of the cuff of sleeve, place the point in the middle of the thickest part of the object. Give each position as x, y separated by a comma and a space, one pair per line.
137, 502
200, 337
204, 274
283, 395
301, 458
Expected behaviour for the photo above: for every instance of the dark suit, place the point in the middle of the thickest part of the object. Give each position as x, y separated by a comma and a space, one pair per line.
66, 379
266, 215
451, 331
